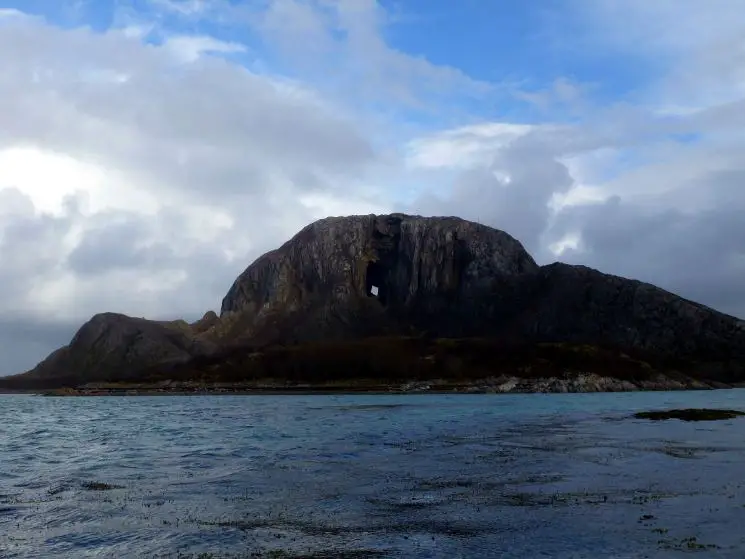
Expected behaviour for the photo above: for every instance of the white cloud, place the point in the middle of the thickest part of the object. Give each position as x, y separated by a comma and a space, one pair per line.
348, 37
189, 48
464, 147
49, 178
570, 241
183, 7
8, 15
665, 27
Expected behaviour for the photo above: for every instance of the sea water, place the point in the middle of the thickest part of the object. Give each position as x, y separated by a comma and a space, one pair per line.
559, 476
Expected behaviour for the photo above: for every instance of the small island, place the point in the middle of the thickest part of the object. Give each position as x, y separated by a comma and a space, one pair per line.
401, 303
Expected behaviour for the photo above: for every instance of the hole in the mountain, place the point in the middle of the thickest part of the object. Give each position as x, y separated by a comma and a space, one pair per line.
375, 282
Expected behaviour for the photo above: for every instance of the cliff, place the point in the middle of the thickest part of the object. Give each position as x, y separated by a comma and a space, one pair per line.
364, 275
448, 277
349, 278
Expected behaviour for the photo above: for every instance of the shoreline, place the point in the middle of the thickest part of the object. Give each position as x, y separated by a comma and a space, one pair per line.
578, 383
267, 392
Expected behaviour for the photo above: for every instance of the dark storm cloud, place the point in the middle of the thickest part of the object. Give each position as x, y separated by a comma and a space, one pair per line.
23, 340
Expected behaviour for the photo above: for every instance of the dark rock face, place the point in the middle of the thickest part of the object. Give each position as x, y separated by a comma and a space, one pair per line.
576, 303
450, 277
369, 274
351, 277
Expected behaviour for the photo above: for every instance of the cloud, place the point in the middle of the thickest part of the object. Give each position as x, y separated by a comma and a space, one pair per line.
184, 7
629, 187
11, 15
22, 338
338, 46
29, 245
665, 27
189, 48
664, 211
465, 147
512, 190
234, 128
315, 35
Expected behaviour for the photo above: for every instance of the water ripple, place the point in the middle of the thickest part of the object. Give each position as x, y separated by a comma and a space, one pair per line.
406, 476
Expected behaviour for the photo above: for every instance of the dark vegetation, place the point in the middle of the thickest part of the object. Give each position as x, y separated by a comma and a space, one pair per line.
383, 361
690, 415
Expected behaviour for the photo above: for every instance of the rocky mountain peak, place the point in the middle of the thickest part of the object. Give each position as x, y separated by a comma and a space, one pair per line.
398, 259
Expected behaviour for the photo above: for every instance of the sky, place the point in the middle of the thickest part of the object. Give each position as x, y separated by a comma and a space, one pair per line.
150, 150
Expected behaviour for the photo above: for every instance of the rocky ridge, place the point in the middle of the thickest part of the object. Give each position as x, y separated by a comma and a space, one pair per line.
348, 278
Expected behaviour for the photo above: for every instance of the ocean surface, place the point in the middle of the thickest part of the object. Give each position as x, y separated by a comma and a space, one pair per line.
556, 476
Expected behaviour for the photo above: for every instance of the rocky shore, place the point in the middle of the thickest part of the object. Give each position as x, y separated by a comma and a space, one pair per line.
494, 385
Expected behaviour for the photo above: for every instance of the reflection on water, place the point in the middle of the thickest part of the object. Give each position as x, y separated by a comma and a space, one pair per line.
378, 476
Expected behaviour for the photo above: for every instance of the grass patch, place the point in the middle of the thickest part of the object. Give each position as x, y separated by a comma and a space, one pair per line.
691, 414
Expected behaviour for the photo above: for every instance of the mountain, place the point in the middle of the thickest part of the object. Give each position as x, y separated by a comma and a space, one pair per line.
345, 279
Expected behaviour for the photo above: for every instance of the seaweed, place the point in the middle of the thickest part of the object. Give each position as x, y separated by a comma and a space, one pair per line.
690, 414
